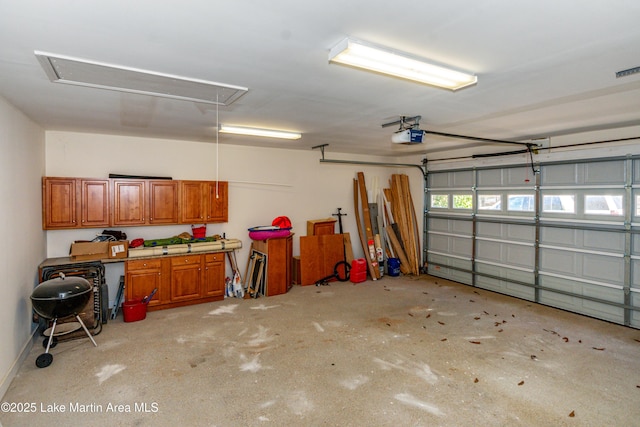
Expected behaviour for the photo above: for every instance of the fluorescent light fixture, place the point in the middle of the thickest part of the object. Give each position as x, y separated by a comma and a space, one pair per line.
387, 61
80, 72
271, 133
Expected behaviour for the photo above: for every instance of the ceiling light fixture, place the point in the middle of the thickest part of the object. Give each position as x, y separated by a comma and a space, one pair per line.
383, 60
271, 133
80, 72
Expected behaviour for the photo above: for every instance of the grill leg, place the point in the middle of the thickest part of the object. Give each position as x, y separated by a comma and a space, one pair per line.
53, 329
86, 330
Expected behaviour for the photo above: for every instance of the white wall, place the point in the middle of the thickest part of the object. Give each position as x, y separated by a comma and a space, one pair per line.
23, 241
263, 183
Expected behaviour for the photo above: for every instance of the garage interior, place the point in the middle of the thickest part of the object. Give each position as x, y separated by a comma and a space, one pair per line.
522, 193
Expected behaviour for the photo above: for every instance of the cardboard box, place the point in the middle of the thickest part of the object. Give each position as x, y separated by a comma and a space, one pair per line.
84, 251
119, 249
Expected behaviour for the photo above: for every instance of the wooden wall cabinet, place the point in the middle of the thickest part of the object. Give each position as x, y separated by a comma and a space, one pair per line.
75, 203
121, 202
145, 202
129, 202
279, 252
180, 280
203, 202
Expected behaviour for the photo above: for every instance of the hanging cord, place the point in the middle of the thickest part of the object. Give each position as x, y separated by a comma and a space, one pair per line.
530, 150
217, 147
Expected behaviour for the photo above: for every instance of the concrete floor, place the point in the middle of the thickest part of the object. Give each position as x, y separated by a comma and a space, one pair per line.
401, 351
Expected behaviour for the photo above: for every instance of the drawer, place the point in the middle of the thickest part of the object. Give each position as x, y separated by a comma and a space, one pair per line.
143, 264
186, 260
217, 257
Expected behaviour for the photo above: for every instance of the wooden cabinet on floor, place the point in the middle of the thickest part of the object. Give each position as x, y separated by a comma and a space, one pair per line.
142, 277
180, 280
279, 257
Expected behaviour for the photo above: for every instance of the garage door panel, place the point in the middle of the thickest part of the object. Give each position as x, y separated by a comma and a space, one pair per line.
635, 315
523, 256
513, 232
598, 173
506, 286
439, 224
576, 305
559, 236
603, 268
439, 242
462, 227
559, 261
635, 277
603, 241
506, 254
461, 246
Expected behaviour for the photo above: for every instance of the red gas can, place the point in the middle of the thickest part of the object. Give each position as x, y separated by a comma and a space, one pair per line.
358, 270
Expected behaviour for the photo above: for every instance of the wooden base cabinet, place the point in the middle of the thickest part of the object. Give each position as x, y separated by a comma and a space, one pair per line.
279, 254
180, 280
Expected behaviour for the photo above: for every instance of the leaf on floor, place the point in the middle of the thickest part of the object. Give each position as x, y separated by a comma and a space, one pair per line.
521, 382
500, 330
442, 323
428, 315
476, 318
475, 342
471, 300
565, 339
598, 348
410, 314
534, 357
572, 414
443, 339
476, 380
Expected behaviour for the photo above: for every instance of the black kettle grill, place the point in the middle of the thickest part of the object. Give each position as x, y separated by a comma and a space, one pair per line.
58, 298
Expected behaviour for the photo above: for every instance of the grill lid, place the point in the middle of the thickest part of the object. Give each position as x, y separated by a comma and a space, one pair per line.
61, 288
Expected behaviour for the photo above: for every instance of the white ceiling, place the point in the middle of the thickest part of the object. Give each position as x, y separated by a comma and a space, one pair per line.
545, 68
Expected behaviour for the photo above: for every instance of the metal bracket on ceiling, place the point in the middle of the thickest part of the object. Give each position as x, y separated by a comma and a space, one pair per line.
321, 147
405, 123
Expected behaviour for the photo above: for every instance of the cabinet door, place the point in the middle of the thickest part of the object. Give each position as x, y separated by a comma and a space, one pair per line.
192, 202
59, 203
94, 203
142, 277
214, 275
129, 202
217, 201
186, 275
163, 202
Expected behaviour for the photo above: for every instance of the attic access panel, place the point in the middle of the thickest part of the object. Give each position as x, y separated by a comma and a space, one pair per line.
80, 72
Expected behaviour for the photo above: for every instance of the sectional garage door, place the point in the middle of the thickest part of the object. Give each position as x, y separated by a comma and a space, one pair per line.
564, 234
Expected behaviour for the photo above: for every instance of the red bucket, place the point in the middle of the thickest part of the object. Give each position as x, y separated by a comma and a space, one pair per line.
199, 232
134, 310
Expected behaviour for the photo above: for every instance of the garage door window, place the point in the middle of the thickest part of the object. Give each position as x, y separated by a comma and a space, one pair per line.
601, 204
521, 202
440, 201
462, 201
490, 202
565, 203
